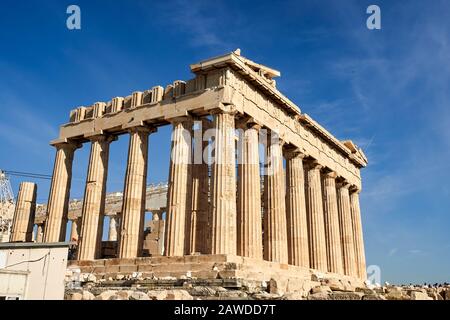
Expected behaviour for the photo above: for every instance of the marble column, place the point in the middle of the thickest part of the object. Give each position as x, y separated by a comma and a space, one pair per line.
197, 218
112, 232
23, 222
249, 222
133, 208
39, 233
331, 215
92, 215
74, 234
223, 185
58, 200
346, 229
297, 223
316, 227
275, 230
178, 194
157, 216
358, 234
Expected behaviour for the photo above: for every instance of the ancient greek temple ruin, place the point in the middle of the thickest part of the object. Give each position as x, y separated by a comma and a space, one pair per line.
297, 212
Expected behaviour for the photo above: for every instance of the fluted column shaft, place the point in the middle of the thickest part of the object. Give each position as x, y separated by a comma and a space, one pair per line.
346, 229
178, 194
358, 235
133, 207
249, 222
157, 216
112, 233
197, 218
74, 234
223, 186
92, 215
297, 223
58, 200
275, 230
39, 233
23, 222
316, 228
331, 215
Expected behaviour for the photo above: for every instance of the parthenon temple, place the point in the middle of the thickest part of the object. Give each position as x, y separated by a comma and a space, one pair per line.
276, 192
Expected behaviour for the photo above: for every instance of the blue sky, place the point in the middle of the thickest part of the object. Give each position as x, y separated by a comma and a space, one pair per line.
388, 90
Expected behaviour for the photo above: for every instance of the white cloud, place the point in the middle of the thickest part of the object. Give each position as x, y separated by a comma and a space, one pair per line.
198, 20
392, 252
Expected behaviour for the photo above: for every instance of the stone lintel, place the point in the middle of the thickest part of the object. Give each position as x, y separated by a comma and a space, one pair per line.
183, 116
198, 103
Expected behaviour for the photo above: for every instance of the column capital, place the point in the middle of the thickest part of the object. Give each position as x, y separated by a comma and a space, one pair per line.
313, 164
292, 152
225, 108
272, 137
157, 214
100, 137
329, 173
66, 144
248, 122
342, 183
355, 189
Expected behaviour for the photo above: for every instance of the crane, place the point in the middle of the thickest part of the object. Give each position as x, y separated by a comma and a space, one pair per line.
7, 205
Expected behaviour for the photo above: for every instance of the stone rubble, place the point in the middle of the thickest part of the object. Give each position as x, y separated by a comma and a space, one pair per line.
325, 289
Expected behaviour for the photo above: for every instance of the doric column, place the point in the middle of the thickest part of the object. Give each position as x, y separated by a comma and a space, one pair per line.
316, 228
74, 234
23, 222
297, 223
112, 232
197, 218
249, 222
346, 229
275, 230
58, 200
157, 216
92, 215
39, 233
133, 207
358, 234
223, 186
178, 194
332, 234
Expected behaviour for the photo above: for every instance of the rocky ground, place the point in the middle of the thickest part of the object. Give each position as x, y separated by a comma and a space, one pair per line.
127, 288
